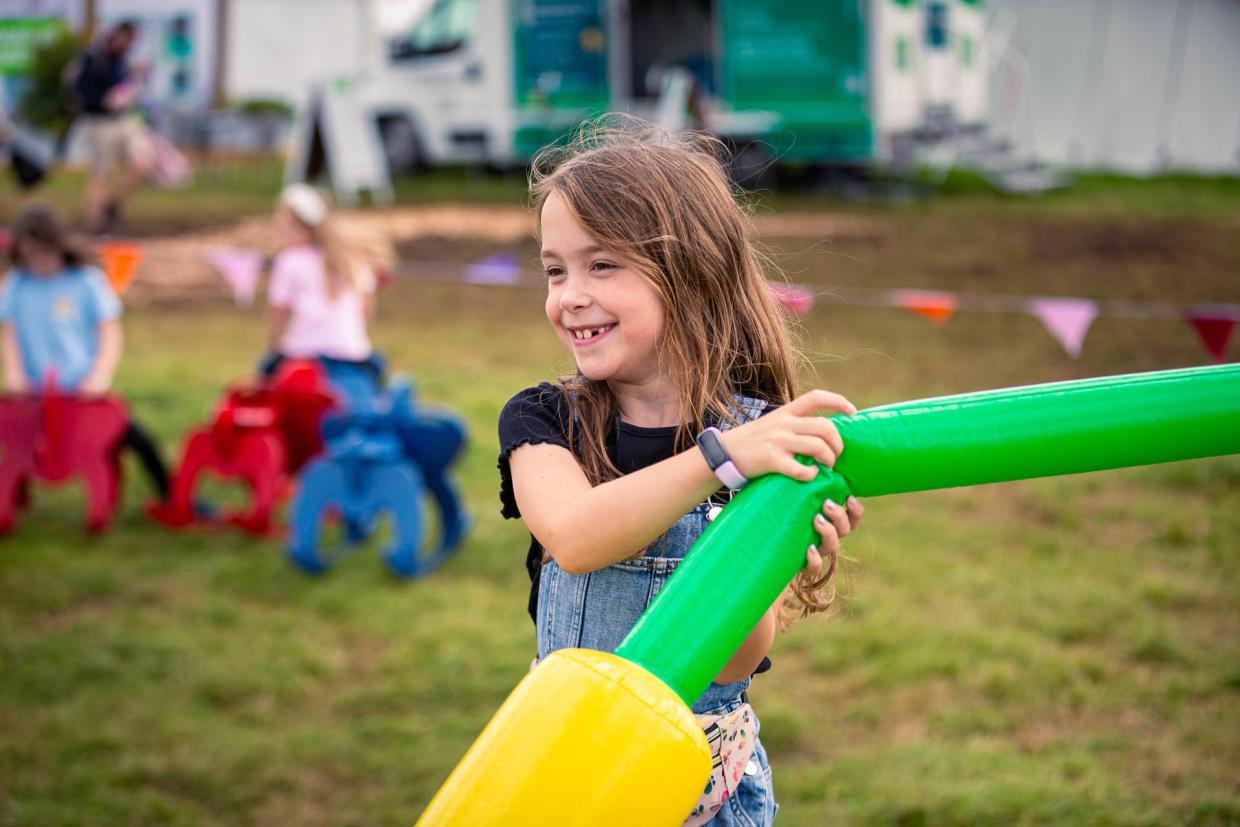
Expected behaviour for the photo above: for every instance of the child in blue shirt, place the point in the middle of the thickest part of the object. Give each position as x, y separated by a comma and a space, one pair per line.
60, 323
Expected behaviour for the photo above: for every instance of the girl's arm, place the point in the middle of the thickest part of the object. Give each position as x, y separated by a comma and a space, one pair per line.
10, 356
111, 343
752, 651
277, 322
586, 527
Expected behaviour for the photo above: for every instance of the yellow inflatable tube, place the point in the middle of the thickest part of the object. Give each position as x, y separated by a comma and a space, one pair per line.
585, 739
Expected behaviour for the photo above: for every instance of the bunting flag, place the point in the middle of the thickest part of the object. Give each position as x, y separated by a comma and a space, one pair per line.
796, 299
1214, 326
1068, 320
239, 267
501, 268
936, 306
120, 263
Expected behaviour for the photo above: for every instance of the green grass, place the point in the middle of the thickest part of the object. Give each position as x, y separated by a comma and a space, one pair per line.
1053, 651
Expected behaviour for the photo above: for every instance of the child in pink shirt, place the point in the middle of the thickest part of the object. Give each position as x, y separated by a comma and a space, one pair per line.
321, 296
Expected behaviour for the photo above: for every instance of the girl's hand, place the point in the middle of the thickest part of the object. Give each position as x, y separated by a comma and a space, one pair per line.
94, 386
770, 444
833, 523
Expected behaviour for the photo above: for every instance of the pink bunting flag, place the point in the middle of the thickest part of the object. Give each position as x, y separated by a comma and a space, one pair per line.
1214, 326
1068, 320
796, 299
936, 306
240, 268
501, 268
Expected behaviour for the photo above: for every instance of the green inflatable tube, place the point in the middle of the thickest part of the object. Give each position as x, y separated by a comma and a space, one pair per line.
746, 557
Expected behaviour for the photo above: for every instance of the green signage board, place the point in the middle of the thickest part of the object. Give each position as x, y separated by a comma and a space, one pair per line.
20, 37
804, 61
560, 68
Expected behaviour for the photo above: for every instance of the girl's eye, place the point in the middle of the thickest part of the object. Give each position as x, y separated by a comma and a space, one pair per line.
602, 265
553, 272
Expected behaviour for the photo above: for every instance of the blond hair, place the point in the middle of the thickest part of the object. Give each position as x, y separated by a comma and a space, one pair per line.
351, 255
665, 203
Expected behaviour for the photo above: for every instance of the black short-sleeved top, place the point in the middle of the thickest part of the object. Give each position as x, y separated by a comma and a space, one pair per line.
540, 415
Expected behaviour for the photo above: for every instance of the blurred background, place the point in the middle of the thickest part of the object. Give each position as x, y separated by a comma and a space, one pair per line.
960, 194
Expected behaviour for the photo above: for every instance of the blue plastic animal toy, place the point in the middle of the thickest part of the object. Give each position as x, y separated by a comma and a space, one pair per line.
376, 460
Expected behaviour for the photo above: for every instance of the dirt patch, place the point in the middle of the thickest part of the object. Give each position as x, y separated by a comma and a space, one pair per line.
1155, 241
173, 268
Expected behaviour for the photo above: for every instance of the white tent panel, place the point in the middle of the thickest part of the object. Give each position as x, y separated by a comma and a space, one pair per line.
1204, 132
280, 48
1132, 85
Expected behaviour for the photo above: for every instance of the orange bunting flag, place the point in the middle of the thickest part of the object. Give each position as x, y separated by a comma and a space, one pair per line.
935, 306
120, 263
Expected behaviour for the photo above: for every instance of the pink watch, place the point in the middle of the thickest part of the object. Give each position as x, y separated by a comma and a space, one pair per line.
719, 461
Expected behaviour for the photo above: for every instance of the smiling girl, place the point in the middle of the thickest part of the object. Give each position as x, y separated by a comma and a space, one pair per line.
655, 289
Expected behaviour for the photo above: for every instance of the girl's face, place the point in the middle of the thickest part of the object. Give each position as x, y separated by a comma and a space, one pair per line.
40, 258
290, 231
604, 311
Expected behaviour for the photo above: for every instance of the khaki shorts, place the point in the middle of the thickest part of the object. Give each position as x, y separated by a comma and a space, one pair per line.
114, 143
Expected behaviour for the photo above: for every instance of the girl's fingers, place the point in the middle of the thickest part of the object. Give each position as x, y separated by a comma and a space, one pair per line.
813, 561
830, 544
838, 517
822, 428
789, 467
817, 401
855, 511
812, 447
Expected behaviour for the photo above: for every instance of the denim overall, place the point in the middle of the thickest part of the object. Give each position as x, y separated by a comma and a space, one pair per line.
597, 609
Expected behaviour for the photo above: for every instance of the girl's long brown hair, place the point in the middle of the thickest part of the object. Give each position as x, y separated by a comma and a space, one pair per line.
665, 203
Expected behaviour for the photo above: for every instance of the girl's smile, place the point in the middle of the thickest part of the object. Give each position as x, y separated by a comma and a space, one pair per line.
587, 336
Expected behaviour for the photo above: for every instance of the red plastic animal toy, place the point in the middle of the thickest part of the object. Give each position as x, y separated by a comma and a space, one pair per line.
259, 436
52, 437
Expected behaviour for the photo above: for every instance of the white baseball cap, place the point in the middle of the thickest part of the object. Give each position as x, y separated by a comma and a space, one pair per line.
305, 202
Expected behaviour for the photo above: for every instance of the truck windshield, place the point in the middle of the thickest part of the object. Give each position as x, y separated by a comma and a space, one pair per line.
447, 27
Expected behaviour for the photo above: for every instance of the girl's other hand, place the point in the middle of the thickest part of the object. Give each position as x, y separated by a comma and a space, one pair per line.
833, 524
93, 386
770, 444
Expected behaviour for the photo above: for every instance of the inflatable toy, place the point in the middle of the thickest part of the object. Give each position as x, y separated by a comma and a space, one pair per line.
602, 728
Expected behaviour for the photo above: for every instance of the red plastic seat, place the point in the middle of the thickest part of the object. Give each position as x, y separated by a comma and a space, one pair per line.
260, 436
53, 437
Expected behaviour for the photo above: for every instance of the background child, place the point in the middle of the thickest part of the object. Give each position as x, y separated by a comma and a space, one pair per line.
60, 323
321, 296
656, 290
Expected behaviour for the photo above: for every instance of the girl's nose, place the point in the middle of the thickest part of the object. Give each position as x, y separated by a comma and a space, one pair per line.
573, 298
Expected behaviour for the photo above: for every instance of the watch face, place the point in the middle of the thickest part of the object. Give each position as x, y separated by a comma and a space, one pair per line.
712, 449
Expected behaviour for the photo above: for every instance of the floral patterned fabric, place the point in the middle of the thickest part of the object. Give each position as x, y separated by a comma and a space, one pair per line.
731, 741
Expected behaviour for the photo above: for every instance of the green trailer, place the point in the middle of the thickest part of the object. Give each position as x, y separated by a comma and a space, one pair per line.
808, 81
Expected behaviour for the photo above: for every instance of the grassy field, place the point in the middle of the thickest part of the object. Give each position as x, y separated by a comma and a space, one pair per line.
1055, 651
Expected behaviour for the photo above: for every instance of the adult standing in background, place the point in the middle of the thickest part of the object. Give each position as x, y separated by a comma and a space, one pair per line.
118, 149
